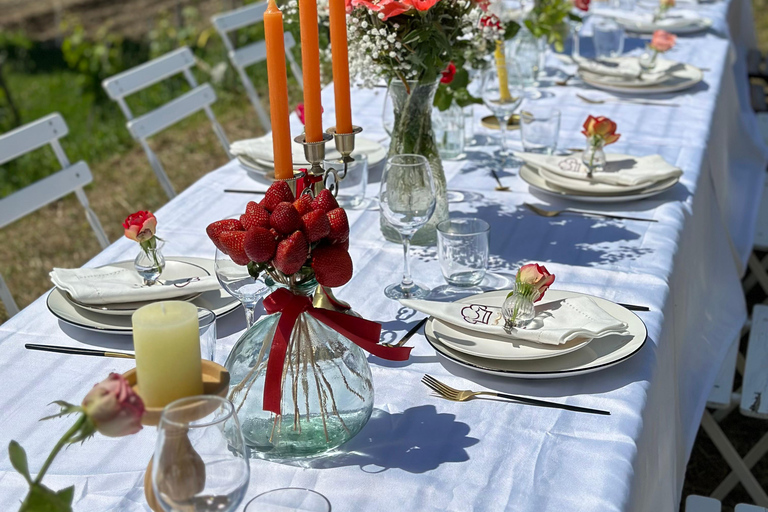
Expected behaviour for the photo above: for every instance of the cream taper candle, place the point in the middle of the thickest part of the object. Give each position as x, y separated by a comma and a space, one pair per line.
166, 339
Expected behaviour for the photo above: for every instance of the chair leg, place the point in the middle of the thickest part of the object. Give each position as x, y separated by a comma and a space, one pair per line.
295, 69
93, 220
733, 459
219, 131
750, 459
159, 171
7, 298
254, 97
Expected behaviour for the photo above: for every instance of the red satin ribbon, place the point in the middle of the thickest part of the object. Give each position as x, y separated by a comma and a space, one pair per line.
306, 181
363, 333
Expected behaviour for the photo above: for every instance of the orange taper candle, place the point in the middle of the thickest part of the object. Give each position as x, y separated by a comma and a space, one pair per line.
310, 64
278, 92
340, 59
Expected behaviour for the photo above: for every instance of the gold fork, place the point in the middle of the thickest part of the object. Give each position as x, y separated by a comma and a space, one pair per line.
554, 213
457, 395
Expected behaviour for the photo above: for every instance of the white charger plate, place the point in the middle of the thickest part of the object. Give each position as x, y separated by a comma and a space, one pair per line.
680, 79
502, 348
599, 354
531, 176
218, 301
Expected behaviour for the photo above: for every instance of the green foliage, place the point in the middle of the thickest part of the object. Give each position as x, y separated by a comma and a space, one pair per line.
19, 460
455, 91
548, 19
166, 36
95, 57
43, 499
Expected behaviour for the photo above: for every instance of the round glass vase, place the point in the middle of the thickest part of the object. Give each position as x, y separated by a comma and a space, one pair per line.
593, 157
647, 60
150, 262
327, 388
412, 134
518, 309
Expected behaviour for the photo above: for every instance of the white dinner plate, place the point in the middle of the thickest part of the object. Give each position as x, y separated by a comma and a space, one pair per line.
218, 301
503, 348
173, 270
687, 26
683, 76
599, 354
531, 176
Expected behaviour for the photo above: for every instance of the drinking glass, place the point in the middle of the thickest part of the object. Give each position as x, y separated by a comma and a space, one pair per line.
240, 284
289, 499
207, 325
469, 125
448, 127
502, 94
529, 55
462, 248
200, 461
407, 201
352, 187
609, 38
540, 129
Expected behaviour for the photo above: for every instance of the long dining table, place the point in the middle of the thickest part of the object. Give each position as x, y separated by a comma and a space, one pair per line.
419, 452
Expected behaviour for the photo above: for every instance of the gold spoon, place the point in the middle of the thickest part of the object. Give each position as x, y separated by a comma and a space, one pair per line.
499, 187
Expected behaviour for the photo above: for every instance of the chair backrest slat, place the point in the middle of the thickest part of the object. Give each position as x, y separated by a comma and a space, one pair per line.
172, 112
754, 388
152, 72
31, 136
42, 192
257, 52
239, 18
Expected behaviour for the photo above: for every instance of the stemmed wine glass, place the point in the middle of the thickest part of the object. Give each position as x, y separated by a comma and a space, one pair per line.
240, 284
201, 460
502, 93
407, 199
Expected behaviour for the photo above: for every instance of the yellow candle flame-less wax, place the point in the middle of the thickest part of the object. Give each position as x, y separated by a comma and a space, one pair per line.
501, 68
166, 339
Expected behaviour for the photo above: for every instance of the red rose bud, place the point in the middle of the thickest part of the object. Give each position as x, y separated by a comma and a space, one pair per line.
582, 5
140, 226
113, 407
448, 74
537, 276
601, 128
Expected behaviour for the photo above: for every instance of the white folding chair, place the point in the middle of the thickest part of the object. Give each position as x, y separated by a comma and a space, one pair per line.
749, 400
250, 54
695, 503
199, 98
757, 267
71, 178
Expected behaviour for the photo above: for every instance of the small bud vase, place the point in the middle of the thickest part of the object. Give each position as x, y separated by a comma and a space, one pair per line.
518, 310
593, 157
647, 60
150, 263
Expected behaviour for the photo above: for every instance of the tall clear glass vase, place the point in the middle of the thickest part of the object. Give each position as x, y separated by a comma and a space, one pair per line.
327, 388
412, 134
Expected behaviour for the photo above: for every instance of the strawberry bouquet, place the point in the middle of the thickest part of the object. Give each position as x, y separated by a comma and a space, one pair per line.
300, 379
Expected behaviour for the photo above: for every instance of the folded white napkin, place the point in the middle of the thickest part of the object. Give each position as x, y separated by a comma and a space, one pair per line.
112, 285
676, 18
261, 149
627, 69
619, 170
555, 322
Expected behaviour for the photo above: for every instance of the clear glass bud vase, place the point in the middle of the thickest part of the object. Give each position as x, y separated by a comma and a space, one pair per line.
412, 134
594, 157
327, 388
150, 263
518, 309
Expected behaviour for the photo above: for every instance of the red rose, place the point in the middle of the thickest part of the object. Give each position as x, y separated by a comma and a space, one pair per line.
421, 5
113, 407
582, 5
601, 128
140, 226
448, 74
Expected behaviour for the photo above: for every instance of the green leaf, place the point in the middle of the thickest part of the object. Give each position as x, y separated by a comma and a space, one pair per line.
443, 98
43, 499
19, 460
461, 79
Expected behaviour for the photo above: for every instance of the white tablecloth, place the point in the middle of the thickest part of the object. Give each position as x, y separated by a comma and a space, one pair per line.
421, 453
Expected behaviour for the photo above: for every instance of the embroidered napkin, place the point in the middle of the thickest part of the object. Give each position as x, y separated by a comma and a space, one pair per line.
261, 149
555, 323
113, 285
619, 169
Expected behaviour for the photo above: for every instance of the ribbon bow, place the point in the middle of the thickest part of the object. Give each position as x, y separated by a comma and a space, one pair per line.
363, 333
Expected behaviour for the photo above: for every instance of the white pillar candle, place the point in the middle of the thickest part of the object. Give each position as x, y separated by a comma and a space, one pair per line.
167, 343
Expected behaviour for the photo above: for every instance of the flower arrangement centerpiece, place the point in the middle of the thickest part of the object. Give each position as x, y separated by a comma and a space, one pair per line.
599, 132
411, 44
661, 10
149, 263
111, 408
661, 42
531, 282
549, 20
301, 384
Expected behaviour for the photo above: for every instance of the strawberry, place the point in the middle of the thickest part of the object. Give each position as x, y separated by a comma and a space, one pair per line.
332, 265
255, 215
339, 226
215, 229
291, 253
303, 204
324, 201
277, 236
260, 245
285, 219
315, 226
233, 244
278, 192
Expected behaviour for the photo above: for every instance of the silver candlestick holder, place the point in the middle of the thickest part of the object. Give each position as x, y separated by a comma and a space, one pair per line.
314, 152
